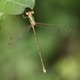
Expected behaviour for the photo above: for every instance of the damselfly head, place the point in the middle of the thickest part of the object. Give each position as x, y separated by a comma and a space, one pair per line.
27, 12
28, 9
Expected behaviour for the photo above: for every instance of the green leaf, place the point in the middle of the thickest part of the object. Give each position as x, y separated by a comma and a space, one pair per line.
15, 6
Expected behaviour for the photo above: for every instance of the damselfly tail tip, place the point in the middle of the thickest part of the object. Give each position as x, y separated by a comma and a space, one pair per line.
44, 70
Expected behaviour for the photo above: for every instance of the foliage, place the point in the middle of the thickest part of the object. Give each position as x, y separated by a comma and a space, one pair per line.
60, 47
15, 6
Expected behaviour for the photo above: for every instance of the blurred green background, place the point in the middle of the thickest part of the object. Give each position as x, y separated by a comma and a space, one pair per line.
60, 46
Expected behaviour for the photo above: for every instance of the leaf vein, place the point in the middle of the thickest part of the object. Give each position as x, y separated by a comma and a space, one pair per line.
16, 3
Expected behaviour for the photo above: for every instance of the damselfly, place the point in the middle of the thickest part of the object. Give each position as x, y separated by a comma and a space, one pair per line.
29, 14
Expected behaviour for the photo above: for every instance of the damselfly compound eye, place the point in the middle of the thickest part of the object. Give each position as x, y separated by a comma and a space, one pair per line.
28, 9
26, 12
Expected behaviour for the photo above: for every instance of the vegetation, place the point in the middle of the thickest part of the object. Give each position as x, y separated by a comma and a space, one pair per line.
60, 45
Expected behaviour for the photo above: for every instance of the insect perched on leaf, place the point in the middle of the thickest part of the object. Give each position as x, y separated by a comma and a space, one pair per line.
16, 7
28, 13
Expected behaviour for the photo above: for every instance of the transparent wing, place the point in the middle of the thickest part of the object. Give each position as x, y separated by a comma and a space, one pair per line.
43, 28
53, 28
17, 35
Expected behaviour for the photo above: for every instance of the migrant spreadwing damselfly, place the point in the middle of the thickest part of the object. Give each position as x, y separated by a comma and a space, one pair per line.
29, 14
